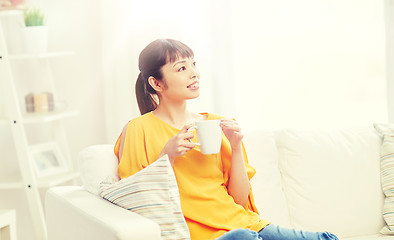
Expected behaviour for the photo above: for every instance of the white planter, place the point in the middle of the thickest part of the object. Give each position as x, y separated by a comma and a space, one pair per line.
36, 39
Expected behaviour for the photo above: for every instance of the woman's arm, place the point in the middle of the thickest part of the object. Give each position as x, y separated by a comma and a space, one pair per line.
238, 186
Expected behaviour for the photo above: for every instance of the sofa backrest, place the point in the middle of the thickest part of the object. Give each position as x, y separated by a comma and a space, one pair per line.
331, 180
267, 183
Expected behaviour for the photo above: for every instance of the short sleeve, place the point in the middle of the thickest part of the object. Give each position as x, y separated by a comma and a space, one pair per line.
134, 155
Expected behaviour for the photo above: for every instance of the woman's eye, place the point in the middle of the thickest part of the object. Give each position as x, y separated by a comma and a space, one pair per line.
194, 63
181, 69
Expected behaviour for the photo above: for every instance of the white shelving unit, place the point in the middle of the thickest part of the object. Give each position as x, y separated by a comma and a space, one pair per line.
28, 179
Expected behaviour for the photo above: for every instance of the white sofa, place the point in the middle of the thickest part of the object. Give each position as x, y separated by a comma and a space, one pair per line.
320, 180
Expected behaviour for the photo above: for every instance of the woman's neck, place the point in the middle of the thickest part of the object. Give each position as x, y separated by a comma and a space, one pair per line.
175, 115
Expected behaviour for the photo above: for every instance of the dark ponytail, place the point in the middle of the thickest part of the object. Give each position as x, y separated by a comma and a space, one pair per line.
145, 100
152, 58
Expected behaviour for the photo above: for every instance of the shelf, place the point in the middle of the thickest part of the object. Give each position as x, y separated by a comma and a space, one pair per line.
11, 12
29, 118
16, 182
39, 55
48, 116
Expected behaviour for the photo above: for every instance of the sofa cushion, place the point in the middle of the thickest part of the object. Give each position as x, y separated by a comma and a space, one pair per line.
266, 184
96, 163
152, 193
371, 237
387, 174
331, 180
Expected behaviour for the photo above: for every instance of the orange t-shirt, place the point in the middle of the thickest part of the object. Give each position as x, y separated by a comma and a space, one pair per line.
202, 179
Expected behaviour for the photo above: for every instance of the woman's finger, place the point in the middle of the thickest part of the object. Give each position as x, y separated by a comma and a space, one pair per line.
188, 145
227, 121
185, 128
232, 127
188, 135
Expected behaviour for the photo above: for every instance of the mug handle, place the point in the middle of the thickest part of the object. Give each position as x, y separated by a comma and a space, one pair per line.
188, 130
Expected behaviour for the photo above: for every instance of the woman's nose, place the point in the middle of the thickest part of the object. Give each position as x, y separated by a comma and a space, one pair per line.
195, 72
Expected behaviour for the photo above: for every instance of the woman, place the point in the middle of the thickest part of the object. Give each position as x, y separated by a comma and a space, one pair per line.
215, 193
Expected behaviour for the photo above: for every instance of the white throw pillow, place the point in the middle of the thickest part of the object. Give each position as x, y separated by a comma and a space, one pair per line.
152, 193
95, 164
387, 174
331, 180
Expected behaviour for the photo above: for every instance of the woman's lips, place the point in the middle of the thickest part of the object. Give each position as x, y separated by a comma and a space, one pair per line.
194, 85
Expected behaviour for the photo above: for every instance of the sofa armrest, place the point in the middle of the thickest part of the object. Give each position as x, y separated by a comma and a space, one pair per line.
74, 213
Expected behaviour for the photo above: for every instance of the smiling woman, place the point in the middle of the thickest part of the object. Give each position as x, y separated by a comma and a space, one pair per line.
213, 186
151, 79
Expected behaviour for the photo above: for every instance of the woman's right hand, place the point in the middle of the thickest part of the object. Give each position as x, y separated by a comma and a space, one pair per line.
178, 145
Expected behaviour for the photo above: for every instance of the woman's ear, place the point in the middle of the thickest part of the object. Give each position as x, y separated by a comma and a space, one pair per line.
155, 84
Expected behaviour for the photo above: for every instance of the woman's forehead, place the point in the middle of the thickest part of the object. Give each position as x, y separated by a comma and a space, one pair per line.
176, 54
178, 58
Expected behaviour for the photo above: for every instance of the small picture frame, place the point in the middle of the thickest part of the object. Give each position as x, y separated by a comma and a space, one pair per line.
47, 159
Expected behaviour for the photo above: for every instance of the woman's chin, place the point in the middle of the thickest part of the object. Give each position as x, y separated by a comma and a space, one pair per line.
195, 95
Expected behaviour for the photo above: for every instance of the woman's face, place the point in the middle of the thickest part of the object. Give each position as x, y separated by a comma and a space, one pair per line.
182, 79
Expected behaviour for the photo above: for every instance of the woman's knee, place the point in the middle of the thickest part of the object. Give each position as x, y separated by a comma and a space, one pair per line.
240, 234
328, 236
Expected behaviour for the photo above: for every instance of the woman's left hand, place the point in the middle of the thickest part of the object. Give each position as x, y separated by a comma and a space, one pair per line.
232, 131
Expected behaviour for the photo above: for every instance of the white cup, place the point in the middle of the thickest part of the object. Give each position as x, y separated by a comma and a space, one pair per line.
209, 135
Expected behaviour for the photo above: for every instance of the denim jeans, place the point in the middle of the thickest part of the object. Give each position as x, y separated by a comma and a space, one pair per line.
273, 232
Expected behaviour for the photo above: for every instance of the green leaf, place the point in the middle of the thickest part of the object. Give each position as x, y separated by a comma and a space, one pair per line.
34, 17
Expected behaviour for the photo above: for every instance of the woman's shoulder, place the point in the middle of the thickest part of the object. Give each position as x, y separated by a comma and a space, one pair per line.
141, 121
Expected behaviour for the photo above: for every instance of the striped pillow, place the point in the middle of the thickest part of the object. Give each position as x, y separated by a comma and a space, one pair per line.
152, 193
387, 174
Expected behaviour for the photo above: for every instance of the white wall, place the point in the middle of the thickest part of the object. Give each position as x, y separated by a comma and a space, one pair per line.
270, 64
310, 63
389, 17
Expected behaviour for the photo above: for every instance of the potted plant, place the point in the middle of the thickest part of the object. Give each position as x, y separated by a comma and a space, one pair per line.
35, 32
